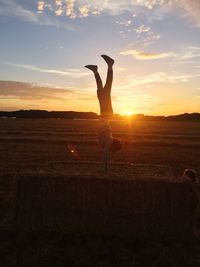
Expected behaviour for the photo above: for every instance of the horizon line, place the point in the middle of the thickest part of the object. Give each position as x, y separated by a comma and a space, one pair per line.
115, 114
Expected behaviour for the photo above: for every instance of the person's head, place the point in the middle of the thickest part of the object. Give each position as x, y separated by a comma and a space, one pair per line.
191, 174
116, 145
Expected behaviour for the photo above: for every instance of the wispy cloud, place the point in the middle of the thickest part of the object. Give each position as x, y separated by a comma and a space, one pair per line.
189, 53
130, 26
124, 22
192, 9
141, 55
135, 81
145, 35
142, 28
12, 9
188, 9
74, 73
20, 95
29, 91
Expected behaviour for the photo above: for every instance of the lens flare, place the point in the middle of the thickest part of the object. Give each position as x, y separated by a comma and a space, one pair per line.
73, 151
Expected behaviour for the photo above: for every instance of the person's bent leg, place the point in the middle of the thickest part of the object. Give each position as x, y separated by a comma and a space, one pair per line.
96, 75
109, 79
108, 60
98, 82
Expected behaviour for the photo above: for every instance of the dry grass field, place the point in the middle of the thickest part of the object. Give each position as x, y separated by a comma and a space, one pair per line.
27, 145
36, 152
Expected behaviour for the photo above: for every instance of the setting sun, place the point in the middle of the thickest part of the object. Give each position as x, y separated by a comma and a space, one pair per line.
128, 113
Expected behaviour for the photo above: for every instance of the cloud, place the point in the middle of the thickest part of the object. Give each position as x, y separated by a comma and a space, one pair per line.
142, 28
12, 9
141, 55
84, 11
192, 9
191, 52
155, 9
146, 35
20, 95
120, 69
74, 73
41, 6
134, 81
29, 91
114, 7
78, 9
72, 8
58, 2
124, 22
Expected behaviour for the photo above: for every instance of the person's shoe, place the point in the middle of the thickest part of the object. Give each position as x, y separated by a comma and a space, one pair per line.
92, 67
108, 60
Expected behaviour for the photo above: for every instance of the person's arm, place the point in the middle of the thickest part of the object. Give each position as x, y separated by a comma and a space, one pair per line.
106, 158
107, 152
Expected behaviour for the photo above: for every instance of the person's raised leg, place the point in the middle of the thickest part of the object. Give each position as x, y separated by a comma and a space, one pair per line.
94, 68
109, 79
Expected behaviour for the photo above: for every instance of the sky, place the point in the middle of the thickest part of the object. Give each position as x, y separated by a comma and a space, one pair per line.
46, 44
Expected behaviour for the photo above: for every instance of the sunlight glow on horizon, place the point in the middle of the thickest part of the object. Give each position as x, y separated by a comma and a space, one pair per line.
128, 113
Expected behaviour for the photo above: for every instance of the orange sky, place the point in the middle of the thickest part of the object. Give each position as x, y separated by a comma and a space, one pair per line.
45, 45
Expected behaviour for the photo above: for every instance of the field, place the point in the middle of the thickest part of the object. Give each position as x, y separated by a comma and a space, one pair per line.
51, 148
28, 145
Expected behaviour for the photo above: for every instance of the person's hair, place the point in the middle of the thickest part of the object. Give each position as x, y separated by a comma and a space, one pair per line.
191, 174
116, 144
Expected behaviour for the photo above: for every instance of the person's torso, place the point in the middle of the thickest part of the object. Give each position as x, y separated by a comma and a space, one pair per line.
104, 133
105, 104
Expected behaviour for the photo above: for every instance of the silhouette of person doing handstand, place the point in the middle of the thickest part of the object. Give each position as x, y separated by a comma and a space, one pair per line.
107, 142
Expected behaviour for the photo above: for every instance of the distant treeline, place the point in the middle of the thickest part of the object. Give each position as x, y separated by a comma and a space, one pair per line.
48, 114
180, 117
91, 115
